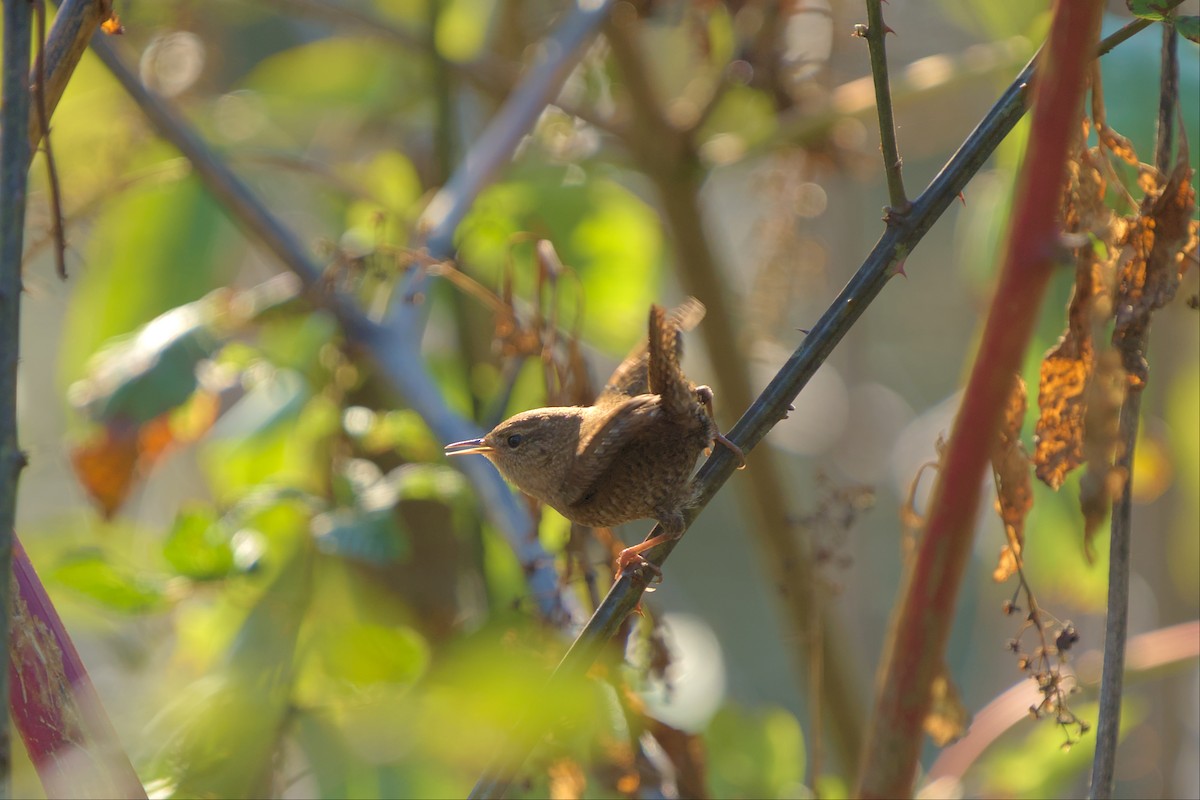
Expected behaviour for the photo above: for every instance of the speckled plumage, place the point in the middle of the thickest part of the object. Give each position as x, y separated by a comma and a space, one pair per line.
631, 455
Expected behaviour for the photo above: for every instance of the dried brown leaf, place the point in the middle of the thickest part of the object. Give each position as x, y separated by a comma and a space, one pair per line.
1014, 490
1159, 247
1102, 482
105, 466
1067, 369
110, 461
947, 718
1064, 377
1117, 144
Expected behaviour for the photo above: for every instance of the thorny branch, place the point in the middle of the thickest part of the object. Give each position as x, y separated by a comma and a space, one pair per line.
875, 32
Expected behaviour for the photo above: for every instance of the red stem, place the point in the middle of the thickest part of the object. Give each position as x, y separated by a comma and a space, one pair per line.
920, 631
54, 704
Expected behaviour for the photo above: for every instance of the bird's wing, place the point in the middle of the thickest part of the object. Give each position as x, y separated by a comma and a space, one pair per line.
630, 377
598, 446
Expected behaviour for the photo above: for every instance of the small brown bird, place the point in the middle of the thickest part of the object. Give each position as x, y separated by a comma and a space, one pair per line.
631, 455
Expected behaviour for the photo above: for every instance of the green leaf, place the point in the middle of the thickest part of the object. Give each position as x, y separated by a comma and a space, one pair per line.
325, 751
743, 118
462, 28
1189, 27
138, 378
219, 737
758, 754
198, 546
1149, 9
92, 575
364, 654
375, 536
296, 342
150, 250
999, 21
394, 187
355, 78
1035, 764
429, 482
603, 231
277, 433
401, 430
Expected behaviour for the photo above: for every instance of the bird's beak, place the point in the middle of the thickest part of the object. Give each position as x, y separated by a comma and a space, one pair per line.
468, 447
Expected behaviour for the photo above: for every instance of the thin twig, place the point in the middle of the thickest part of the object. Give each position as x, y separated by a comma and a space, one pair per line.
1149, 656
397, 360
1116, 624
43, 118
14, 171
876, 33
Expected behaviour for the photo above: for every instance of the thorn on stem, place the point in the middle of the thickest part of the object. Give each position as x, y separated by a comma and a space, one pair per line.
892, 216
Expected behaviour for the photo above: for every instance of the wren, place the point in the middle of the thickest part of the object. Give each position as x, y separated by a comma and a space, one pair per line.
630, 455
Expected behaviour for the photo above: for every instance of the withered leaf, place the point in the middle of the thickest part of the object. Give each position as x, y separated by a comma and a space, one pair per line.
947, 718
1067, 369
1102, 482
111, 460
1064, 377
105, 465
1014, 490
1121, 147
1159, 247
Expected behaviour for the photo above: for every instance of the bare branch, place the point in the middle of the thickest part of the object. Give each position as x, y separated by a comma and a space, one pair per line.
876, 33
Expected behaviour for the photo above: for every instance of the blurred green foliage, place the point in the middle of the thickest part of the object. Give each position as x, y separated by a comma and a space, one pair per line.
325, 610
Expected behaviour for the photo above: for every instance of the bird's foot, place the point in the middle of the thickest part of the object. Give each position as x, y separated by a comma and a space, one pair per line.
632, 558
705, 395
733, 448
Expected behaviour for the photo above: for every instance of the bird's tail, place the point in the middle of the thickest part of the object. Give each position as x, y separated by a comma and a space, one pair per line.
665, 350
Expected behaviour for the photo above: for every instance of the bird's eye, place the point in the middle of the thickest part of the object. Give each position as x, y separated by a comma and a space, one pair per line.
514, 440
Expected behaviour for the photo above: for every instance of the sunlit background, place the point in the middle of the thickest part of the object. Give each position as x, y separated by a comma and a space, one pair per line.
293, 593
